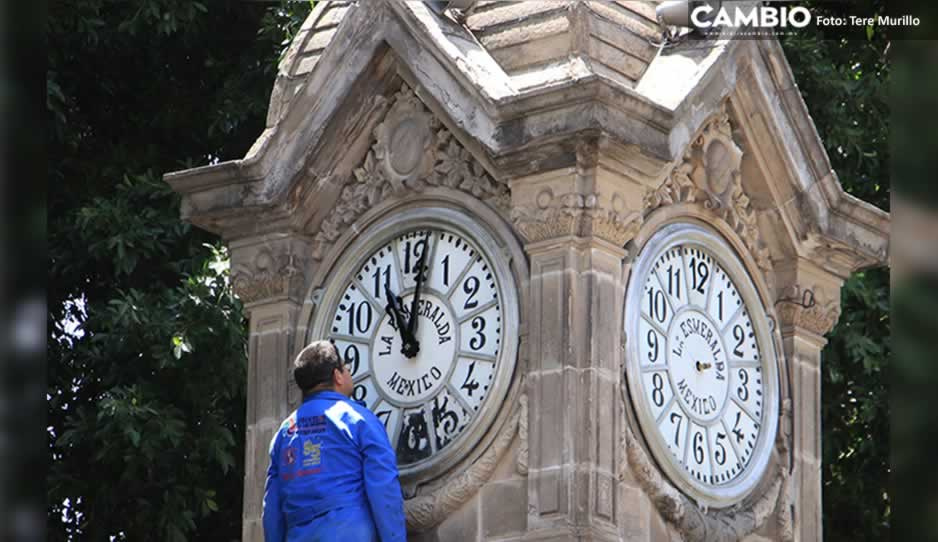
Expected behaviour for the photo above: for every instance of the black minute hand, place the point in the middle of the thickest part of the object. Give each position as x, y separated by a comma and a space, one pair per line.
413, 348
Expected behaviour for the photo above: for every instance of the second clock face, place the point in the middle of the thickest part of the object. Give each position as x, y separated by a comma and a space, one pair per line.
699, 367
422, 349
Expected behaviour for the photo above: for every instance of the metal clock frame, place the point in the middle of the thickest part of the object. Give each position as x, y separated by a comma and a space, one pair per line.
690, 233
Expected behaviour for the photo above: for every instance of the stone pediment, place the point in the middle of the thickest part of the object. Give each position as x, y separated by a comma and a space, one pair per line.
521, 85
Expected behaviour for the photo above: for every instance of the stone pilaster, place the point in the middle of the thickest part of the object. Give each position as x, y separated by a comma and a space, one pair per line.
575, 229
808, 307
268, 274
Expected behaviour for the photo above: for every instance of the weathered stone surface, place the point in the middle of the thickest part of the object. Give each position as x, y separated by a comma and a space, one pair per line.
463, 524
504, 508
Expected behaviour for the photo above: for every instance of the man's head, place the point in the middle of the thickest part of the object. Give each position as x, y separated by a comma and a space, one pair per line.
319, 367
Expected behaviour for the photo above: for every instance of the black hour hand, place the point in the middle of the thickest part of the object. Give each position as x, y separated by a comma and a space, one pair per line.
395, 311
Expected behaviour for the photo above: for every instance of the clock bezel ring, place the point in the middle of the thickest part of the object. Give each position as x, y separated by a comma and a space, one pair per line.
687, 232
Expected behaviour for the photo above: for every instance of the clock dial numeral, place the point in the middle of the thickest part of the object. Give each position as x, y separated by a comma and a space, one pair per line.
673, 427
378, 272
365, 392
413, 442
741, 431
698, 454
449, 418
471, 379
389, 415
740, 339
674, 280
480, 334
654, 349
471, 287
655, 304
725, 463
669, 269
653, 346
356, 356
355, 316
410, 249
698, 265
476, 288
658, 391
451, 258
724, 299
748, 390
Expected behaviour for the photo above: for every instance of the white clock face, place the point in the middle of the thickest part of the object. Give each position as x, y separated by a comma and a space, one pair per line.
701, 367
423, 350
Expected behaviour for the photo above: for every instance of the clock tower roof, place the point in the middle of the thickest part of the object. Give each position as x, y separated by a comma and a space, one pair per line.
527, 88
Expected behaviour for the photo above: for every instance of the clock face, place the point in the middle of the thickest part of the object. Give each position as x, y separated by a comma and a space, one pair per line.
701, 366
424, 349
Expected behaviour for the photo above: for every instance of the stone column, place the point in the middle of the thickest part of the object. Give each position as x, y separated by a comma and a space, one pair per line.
808, 307
268, 275
576, 227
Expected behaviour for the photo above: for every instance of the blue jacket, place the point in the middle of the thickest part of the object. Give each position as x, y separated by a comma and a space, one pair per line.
332, 476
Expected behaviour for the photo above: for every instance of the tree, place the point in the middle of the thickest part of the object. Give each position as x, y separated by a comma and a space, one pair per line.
844, 83
146, 351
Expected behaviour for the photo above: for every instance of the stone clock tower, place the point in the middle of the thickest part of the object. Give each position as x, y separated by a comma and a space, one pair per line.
584, 281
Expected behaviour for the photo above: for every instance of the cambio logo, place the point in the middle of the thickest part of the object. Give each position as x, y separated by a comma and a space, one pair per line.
704, 15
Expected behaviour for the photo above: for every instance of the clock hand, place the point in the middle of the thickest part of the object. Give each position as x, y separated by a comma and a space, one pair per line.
411, 349
394, 309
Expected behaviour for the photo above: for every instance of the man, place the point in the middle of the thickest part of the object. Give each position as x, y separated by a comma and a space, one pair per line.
332, 475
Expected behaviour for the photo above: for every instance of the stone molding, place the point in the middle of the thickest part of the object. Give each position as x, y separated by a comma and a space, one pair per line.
522, 465
809, 308
698, 524
426, 511
412, 151
270, 273
709, 175
575, 214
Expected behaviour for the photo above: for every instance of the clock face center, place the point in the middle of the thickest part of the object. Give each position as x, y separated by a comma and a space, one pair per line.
411, 380
697, 365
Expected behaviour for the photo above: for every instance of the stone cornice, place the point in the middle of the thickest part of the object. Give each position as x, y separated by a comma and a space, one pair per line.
269, 270
575, 215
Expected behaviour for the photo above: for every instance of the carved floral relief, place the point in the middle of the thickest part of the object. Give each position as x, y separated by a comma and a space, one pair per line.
709, 174
412, 150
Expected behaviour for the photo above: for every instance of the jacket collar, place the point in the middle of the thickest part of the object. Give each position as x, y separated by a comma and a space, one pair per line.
325, 394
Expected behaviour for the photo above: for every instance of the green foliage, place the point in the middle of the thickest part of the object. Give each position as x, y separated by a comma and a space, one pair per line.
845, 84
147, 364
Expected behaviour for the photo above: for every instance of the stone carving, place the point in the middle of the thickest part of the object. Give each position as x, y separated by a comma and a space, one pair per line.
426, 511
802, 307
404, 141
696, 523
411, 152
693, 522
709, 175
784, 519
575, 214
268, 275
522, 466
